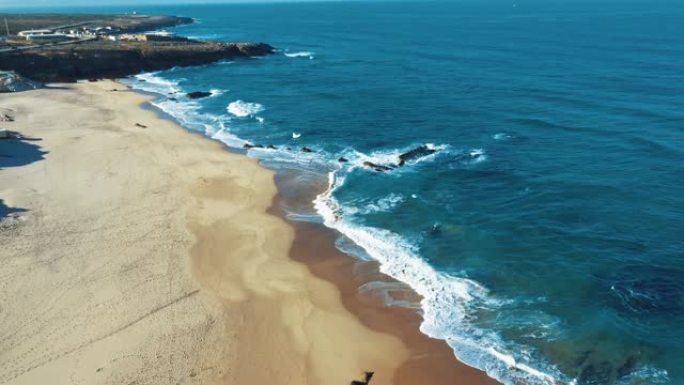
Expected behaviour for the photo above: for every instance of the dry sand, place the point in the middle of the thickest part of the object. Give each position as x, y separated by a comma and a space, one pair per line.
145, 255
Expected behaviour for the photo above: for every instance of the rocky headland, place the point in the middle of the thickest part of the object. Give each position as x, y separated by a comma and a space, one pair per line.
111, 57
108, 59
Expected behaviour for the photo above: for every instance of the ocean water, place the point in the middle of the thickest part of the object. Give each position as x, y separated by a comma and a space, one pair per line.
546, 233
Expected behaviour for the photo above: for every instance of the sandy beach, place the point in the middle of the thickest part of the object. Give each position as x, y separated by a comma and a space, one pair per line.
135, 252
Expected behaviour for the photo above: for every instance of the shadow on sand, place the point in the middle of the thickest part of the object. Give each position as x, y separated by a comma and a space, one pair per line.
19, 151
5, 210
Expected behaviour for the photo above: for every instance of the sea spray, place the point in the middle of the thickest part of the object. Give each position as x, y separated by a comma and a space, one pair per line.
244, 109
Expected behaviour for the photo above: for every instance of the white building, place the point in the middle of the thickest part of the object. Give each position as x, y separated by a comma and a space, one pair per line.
34, 32
49, 37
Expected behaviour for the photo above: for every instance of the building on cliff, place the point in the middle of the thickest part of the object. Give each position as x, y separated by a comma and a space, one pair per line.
34, 32
49, 37
151, 36
132, 37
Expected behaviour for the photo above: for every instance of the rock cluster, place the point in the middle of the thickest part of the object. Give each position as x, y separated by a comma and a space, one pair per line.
10, 81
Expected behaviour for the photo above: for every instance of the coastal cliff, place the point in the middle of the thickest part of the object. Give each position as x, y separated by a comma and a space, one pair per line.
107, 59
71, 47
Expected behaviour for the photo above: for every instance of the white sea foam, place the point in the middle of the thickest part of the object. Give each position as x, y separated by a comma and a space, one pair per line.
391, 157
244, 109
383, 292
501, 136
477, 155
448, 301
307, 54
151, 82
646, 375
224, 136
385, 204
186, 112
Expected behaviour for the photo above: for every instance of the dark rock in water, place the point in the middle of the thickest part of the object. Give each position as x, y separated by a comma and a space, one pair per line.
306, 149
628, 366
377, 167
198, 94
582, 358
597, 374
173, 99
249, 145
13, 82
417, 152
436, 229
342, 159
271, 147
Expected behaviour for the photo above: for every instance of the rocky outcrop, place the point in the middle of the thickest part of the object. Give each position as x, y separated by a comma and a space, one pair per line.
377, 167
249, 145
107, 59
10, 81
198, 94
417, 152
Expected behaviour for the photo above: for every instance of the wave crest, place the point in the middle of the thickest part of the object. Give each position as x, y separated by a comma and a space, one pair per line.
308, 54
244, 109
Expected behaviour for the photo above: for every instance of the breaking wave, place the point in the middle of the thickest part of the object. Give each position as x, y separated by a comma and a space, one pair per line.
385, 204
244, 109
306, 54
448, 303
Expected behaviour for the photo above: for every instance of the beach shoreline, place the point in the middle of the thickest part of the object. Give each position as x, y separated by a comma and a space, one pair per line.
379, 301
248, 297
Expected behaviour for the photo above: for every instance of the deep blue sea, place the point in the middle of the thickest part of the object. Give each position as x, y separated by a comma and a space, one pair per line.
546, 234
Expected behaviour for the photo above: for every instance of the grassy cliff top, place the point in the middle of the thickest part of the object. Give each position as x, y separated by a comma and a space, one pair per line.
22, 22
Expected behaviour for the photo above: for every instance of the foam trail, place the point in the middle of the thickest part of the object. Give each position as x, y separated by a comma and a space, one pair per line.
151, 82
385, 204
244, 109
308, 54
447, 300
